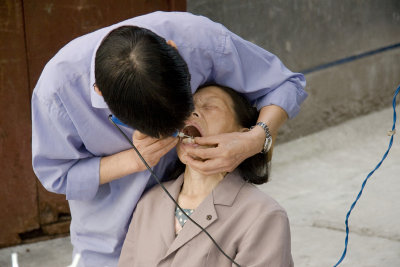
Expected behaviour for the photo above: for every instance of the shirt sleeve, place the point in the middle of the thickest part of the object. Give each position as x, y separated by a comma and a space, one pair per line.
59, 157
260, 75
267, 242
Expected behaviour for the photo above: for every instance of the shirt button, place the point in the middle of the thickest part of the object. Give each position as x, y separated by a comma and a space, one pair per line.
209, 217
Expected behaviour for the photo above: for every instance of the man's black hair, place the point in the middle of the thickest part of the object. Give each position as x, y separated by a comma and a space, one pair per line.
144, 81
256, 168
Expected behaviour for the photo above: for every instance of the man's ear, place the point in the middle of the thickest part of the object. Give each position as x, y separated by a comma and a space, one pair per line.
96, 89
172, 43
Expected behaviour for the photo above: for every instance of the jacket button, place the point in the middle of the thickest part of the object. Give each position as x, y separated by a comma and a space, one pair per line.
209, 217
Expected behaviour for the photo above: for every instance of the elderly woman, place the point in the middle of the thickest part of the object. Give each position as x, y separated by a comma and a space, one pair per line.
248, 225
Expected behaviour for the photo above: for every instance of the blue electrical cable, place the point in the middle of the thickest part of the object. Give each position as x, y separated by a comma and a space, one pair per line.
392, 132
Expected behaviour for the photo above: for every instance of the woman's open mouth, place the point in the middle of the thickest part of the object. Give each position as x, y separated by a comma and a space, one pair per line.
192, 131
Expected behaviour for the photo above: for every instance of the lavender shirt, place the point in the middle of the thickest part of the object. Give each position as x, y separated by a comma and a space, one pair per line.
71, 132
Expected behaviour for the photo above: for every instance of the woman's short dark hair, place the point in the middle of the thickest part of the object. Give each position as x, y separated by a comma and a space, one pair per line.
144, 81
256, 168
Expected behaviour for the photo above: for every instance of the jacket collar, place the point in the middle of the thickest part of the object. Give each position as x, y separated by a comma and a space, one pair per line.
205, 214
168, 230
227, 190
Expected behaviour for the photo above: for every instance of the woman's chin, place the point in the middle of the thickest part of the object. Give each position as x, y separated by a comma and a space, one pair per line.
182, 155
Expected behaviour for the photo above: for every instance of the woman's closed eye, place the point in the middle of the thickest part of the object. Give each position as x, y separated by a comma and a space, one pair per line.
209, 107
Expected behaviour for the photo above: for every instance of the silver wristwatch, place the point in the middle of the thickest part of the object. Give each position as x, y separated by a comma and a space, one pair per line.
268, 137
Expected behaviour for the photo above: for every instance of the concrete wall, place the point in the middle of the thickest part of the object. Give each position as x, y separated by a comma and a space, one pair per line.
309, 34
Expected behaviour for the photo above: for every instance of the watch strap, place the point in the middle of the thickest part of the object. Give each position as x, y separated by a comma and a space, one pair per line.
268, 137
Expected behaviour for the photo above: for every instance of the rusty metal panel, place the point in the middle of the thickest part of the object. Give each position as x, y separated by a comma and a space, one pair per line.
177, 5
50, 24
18, 193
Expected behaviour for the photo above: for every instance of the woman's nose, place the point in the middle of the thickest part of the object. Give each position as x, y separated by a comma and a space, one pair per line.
195, 114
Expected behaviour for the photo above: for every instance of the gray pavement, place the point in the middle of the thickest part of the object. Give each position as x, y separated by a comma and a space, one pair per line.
316, 178
52, 253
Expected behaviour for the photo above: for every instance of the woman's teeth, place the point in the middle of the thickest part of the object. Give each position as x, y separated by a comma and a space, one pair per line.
182, 135
188, 140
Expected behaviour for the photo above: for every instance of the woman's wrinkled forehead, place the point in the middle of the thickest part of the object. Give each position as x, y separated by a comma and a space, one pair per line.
212, 95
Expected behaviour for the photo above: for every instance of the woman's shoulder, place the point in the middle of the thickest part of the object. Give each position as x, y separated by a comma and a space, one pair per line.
252, 197
154, 194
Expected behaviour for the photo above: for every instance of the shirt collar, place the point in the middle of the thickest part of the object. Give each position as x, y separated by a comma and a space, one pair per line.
226, 191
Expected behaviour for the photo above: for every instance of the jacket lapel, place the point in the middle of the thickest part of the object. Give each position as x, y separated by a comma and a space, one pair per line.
205, 214
168, 211
227, 190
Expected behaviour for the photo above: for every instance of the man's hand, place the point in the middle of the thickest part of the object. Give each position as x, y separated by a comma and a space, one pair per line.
227, 151
126, 162
151, 149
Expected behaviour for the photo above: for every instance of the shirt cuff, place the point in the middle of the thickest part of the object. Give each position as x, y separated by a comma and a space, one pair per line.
287, 96
83, 179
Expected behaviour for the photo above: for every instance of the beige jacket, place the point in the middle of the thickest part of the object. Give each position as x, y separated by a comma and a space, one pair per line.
250, 227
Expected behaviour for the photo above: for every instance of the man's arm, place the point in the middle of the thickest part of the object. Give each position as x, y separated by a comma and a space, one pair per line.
259, 75
59, 158
274, 117
64, 166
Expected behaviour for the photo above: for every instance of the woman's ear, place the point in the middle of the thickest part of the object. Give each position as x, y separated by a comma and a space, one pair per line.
97, 90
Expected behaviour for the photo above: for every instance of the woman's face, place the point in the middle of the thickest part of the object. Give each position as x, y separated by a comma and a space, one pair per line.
213, 114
